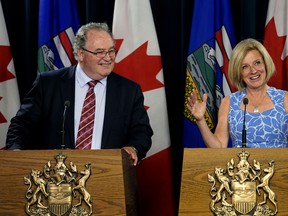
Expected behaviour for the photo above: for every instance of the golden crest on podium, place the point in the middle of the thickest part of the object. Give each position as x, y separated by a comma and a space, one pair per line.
236, 189
58, 190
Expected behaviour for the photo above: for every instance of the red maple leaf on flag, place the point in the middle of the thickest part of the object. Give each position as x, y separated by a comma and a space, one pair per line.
2, 118
5, 58
140, 67
275, 45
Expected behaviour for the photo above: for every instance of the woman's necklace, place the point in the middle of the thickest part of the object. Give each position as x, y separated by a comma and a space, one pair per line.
260, 100
256, 107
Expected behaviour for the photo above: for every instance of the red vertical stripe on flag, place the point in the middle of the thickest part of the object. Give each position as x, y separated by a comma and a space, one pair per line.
275, 40
5, 58
9, 95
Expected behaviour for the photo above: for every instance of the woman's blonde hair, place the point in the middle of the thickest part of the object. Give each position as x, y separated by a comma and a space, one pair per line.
237, 56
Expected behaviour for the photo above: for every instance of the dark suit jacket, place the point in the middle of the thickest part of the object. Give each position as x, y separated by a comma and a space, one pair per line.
38, 123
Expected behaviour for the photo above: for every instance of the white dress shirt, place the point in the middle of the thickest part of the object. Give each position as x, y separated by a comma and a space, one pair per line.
81, 88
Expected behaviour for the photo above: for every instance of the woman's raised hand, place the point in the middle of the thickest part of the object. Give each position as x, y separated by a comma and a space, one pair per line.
197, 107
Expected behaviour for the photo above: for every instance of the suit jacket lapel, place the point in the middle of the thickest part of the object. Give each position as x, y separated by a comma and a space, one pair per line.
110, 107
68, 94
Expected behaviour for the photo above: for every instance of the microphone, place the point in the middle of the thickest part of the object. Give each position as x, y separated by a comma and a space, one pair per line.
66, 105
245, 102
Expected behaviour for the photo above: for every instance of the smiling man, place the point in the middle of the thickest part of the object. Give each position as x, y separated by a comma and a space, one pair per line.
85, 106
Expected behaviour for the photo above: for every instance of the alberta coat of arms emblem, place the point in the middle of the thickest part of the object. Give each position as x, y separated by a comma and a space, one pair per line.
234, 190
58, 190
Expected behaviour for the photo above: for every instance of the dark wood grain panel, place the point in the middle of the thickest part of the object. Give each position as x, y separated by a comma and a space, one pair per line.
198, 163
110, 168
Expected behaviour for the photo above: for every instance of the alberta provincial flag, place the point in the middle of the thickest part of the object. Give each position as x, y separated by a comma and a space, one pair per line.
276, 42
211, 43
139, 59
9, 94
58, 23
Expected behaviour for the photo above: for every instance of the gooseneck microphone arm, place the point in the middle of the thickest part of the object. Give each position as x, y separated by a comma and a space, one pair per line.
245, 102
66, 105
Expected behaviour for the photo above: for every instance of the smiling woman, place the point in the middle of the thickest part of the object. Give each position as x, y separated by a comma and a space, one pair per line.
250, 68
246, 57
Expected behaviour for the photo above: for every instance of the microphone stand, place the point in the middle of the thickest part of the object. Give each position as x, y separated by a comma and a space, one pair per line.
66, 105
244, 142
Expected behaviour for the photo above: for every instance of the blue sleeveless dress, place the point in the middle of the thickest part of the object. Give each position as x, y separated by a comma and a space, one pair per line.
267, 129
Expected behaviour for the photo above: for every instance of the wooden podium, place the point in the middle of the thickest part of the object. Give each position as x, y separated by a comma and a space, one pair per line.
198, 163
112, 183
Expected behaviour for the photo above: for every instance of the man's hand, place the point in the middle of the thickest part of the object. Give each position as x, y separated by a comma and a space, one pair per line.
133, 154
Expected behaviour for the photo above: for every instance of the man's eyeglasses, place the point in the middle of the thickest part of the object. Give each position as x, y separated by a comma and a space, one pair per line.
102, 53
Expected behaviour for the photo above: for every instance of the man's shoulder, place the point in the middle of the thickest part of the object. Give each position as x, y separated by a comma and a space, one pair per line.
65, 73
119, 78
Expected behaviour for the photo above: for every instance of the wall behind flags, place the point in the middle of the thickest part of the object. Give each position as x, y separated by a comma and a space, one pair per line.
172, 21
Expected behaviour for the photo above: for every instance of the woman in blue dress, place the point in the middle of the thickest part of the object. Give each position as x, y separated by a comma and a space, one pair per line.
250, 69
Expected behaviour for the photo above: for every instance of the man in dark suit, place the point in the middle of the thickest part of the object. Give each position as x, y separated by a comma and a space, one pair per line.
121, 120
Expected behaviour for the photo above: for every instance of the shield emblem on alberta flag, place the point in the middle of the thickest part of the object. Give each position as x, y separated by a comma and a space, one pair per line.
60, 198
244, 196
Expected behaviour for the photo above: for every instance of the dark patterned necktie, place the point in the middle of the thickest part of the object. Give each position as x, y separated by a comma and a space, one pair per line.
85, 131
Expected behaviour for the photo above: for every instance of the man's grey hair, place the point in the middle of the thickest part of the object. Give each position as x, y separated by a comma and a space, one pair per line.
81, 35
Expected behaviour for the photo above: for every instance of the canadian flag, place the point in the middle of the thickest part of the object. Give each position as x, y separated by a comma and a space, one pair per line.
139, 59
9, 94
275, 40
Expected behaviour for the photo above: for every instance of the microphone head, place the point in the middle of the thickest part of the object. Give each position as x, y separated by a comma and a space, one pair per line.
67, 103
245, 101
